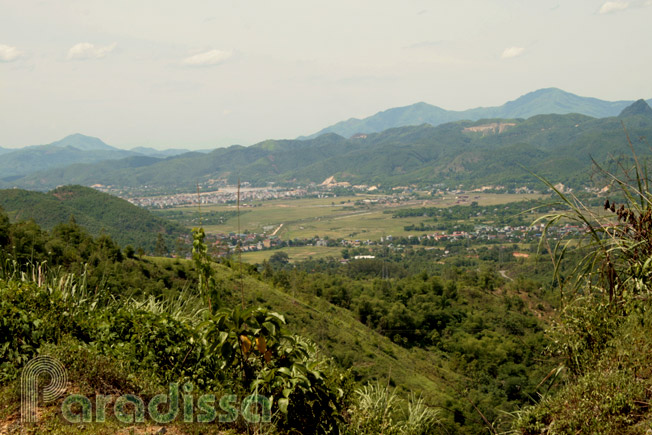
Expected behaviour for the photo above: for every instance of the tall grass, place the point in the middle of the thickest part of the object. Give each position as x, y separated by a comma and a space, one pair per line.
603, 331
74, 291
380, 411
617, 243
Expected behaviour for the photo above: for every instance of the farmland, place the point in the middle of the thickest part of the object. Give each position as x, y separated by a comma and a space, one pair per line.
354, 216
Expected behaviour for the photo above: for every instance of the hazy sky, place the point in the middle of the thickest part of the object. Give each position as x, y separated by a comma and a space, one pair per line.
200, 74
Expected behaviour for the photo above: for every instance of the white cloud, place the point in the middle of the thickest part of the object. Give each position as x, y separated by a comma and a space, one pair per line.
609, 7
85, 50
512, 52
9, 54
207, 58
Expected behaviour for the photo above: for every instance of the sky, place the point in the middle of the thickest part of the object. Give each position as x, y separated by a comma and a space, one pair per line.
208, 73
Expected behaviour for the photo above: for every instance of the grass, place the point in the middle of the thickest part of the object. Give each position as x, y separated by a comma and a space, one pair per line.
340, 217
298, 253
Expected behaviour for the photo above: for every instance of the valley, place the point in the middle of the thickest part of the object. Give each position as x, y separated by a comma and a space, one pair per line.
321, 224
325, 218
451, 270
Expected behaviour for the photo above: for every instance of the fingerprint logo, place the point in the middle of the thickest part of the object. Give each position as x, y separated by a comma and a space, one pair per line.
29, 382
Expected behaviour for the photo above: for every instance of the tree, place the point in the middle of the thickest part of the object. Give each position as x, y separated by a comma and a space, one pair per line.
203, 263
161, 249
28, 241
279, 260
129, 251
4, 228
181, 248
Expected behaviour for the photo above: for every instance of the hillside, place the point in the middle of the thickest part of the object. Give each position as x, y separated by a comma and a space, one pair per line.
96, 211
137, 317
540, 102
601, 337
483, 152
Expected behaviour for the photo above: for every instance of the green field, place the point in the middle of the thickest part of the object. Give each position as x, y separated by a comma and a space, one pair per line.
338, 217
296, 253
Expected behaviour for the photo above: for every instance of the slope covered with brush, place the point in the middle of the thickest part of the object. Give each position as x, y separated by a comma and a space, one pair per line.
603, 337
96, 211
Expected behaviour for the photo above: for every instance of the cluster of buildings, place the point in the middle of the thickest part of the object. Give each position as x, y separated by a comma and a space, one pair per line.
221, 196
521, 233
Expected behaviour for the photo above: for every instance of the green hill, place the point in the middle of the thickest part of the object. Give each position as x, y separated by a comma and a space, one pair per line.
96, 211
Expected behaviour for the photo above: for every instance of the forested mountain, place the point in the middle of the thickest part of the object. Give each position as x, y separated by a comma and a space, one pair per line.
97, 212
541, 102
471, 153
76, 148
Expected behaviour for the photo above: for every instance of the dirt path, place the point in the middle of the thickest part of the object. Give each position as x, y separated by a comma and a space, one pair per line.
276, 230
504, 275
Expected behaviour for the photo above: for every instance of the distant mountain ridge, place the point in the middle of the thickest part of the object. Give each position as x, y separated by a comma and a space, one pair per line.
147, 151
72, 149
540, 102
82, 143
468, 153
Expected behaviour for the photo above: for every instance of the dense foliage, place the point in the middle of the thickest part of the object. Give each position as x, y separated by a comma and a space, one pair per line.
99, 213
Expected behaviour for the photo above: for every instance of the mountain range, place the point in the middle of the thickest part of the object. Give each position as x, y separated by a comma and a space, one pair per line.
542, 101
484, 147
76, 148
470, 153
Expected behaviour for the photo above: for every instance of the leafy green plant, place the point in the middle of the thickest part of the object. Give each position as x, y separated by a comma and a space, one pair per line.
255, 348
245, 338
203, 263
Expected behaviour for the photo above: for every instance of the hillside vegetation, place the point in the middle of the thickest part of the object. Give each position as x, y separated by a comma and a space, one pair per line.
603, 336
98, 212
450, 337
